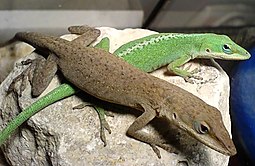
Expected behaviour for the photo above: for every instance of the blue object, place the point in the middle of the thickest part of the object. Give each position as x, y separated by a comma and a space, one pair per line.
243, 106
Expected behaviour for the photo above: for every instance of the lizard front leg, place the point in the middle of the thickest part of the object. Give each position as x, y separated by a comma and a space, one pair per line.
135, 130
175, 68
43, 74
39, 73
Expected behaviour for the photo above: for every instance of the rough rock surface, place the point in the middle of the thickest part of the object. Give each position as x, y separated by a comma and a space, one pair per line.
9, 55
59, 135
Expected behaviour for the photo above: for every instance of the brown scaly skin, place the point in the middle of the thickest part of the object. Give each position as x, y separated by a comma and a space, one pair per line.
109, 78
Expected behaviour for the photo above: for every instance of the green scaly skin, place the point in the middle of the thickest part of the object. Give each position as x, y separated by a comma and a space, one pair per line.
173, 49
148, 54
61, 92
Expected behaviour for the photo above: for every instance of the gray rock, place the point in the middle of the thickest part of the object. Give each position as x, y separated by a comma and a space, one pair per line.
59, 135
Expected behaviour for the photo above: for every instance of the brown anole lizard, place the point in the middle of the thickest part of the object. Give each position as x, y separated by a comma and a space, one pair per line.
109, 78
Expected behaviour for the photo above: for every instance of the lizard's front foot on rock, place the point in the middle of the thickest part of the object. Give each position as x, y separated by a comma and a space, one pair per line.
168, 148
185, 73
188, 77
26, 73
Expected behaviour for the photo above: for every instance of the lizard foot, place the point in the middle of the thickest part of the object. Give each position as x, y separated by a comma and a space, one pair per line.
156, 150
103, 123
168, 148
195, 71
189, 80
191, 75
28, 72
188, 75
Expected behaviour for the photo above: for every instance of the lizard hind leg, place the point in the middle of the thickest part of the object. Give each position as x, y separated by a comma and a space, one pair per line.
27, 73
101, 115
178, 68
88, 34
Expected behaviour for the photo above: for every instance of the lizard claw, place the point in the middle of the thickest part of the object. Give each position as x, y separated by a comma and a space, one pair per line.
103, 125
197, 77
164, 146
189, 80
191, 75
156, 150
167, 147
195, 71
102, 136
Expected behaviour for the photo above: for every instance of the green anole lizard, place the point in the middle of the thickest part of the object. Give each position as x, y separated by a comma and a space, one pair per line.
150, 43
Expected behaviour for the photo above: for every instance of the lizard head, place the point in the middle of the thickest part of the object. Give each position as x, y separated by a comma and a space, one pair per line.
203, 122
221, 47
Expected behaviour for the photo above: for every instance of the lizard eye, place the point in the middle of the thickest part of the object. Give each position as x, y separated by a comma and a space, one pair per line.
226, 48
201, 127
208, 50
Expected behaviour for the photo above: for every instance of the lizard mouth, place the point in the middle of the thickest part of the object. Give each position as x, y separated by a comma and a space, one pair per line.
233, 56
225, 147
222, 144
